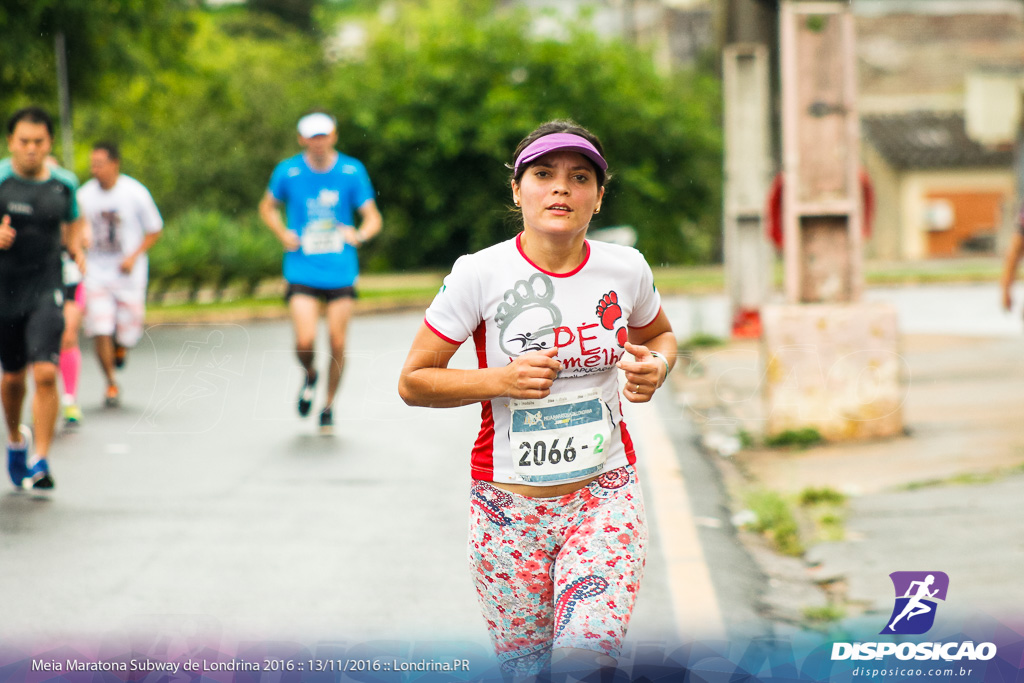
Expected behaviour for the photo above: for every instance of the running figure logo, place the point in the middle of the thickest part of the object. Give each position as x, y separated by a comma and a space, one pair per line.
916, 595
526, 317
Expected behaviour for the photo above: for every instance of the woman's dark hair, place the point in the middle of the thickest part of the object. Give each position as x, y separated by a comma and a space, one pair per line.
559, 126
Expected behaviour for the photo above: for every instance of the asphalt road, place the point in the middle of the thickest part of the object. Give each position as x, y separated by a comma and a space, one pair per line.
206, 508
204, 515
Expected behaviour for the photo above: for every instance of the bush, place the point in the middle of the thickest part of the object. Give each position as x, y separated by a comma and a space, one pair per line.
207, 248
800, 438
251, 253
813, 496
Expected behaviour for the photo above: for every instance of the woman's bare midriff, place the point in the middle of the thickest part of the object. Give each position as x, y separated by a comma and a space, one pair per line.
556, 491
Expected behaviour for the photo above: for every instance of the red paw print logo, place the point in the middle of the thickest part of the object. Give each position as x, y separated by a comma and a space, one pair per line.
609, 312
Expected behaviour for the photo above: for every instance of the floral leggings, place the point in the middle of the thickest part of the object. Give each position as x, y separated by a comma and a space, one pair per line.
557, 572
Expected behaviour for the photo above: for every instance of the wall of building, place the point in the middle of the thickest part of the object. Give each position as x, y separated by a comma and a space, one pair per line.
916, 186
885, 242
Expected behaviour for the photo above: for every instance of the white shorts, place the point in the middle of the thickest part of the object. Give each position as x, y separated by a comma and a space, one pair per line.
115, 310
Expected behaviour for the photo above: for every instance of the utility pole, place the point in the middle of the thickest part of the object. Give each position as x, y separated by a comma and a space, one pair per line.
748, 170
64, 96
629, 21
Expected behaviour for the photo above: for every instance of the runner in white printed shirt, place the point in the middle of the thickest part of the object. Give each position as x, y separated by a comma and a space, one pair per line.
125, 225
557, 538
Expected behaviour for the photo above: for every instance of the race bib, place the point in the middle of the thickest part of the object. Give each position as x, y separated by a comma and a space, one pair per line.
322, 237
560, 438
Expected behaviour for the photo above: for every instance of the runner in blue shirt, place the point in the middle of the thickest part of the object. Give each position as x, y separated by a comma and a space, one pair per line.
321, 191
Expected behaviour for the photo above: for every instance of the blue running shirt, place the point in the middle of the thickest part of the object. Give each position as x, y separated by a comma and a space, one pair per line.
316, 205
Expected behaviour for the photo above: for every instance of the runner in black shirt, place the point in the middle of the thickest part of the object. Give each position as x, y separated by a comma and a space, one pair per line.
37, 203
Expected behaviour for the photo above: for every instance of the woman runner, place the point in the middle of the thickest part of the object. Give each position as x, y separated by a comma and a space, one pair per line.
557, 527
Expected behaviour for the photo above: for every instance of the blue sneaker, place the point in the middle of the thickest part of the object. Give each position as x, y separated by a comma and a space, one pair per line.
41, 478
17, 457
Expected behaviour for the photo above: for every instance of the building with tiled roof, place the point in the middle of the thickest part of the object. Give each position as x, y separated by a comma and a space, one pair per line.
938, 192
929, 140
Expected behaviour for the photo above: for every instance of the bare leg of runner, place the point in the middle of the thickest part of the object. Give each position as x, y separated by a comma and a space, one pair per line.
339, 312
105, 353
12, 392
305, 312
45, 405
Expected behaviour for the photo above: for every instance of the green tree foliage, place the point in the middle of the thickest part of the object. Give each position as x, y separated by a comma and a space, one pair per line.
446, 92
209, 133
298, 13
434, 106
102, 37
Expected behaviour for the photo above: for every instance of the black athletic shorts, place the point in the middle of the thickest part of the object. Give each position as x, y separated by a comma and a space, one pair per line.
325, 295
71, 292
32, 337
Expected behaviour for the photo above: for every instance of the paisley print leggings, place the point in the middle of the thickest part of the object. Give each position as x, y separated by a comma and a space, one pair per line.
557, 572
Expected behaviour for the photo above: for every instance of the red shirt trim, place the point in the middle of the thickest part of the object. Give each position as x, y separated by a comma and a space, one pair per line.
434, 330
627, 443
650, 323
586, 257
482, 461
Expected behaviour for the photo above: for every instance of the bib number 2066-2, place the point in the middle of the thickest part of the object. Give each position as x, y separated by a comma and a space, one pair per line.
559, 438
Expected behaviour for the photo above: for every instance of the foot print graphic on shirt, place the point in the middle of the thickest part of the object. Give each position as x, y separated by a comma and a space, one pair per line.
527, 317
609, 312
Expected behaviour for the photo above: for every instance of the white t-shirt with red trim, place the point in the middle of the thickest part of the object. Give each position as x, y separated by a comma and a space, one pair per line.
509, 306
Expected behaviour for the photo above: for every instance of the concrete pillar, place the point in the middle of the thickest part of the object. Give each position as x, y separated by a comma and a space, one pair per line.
748, 169
831, 363
820, 153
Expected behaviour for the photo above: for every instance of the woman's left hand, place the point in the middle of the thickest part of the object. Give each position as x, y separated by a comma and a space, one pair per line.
643, 375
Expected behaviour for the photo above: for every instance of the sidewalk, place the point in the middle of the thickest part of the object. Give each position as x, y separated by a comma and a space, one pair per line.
943, 497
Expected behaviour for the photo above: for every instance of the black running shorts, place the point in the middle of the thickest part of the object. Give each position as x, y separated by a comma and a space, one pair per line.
32, 337
325, 295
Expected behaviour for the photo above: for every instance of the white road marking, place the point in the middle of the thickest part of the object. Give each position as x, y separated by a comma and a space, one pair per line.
692, 594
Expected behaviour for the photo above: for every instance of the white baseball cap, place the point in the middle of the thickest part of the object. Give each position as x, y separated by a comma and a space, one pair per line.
315, 124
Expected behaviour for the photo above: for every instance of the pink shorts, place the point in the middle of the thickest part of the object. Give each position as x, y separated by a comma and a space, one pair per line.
557, 572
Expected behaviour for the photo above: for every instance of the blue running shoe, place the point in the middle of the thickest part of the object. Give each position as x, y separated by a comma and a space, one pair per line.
41, 478
17, 457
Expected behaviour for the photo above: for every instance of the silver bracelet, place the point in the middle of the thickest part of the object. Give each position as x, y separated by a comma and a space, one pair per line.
664, 360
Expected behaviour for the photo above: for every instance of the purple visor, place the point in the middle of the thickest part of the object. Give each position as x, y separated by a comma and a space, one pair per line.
557, 142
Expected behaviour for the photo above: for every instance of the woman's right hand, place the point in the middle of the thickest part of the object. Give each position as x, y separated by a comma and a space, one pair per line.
531, 374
